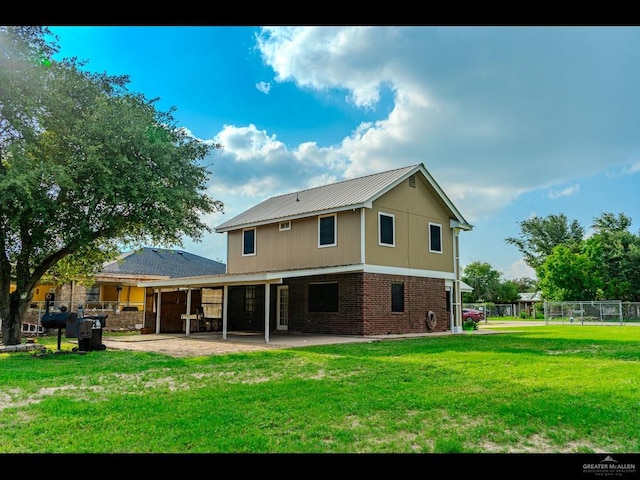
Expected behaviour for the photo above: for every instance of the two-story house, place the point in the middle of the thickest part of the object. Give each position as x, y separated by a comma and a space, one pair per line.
373, 255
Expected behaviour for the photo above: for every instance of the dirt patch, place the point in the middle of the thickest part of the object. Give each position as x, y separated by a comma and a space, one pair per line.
183, 346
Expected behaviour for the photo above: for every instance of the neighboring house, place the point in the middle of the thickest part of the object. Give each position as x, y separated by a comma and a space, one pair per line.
115, 291
530, 303
367, 256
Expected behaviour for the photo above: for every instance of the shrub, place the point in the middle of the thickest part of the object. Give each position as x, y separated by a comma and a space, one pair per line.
469, 324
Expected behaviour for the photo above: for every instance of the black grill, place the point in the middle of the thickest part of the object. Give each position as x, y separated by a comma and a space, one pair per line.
88, 330
57, 319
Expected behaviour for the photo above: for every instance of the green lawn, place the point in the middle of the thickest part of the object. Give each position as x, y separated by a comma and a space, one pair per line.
547, 389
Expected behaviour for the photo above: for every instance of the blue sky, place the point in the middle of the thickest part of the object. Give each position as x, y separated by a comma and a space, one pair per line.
511, 121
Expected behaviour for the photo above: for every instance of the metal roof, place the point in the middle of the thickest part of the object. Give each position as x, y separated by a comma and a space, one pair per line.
163, 262
530, 296
344, 195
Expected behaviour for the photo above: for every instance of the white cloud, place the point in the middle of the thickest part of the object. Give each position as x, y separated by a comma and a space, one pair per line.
493, 113
519, 269
264, 87
489, 111
630, 170
566, 192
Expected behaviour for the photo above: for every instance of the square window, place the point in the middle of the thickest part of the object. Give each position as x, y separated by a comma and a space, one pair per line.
435, 238
323, 297
249, 242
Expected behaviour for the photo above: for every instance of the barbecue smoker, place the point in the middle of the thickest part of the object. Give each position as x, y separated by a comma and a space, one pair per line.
59, 320
88, 330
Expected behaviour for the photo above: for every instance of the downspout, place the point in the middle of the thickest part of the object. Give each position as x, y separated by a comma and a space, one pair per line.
362, 236
457, 320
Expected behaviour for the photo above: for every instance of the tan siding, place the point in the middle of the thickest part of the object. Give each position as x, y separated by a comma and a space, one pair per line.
413, 209
297, 247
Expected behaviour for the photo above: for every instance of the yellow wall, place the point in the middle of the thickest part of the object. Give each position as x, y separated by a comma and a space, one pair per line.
128, 294
41, 291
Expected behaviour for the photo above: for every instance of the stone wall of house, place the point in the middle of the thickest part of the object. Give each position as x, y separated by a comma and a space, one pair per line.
115, 322
70, 296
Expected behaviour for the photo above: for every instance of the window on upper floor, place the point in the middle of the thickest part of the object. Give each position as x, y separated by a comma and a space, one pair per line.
249, 242
284, 226
327, 231
386, 229
397, 297
435, 237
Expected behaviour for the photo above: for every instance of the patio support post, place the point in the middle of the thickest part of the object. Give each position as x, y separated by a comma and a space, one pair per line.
225, 296
267, 294
188, 312
158, 304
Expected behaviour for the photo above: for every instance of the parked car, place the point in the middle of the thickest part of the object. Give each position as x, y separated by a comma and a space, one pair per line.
473, 314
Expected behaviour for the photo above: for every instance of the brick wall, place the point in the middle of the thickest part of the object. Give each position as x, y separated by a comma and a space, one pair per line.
364, 305
421, 295
348, 319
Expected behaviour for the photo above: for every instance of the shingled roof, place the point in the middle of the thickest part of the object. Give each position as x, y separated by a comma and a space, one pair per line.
347, 194
163, 262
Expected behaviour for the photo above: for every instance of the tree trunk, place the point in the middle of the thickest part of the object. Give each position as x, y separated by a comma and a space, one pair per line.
12, 324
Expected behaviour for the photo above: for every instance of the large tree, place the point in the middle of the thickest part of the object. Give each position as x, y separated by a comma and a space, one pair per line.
484, 280
86, 166
539, 235
566, 275
615, 254
604, 266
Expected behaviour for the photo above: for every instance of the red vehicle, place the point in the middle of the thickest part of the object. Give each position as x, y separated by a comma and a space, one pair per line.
473, 314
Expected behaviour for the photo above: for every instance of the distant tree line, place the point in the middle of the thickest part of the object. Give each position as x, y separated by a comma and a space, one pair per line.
489, 286
570, 265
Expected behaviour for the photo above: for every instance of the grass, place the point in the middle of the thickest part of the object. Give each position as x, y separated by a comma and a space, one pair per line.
542, 389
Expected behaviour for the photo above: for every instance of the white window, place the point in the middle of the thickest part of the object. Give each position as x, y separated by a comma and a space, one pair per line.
327, 231
386, 229
435, 237
249, 242
285, 226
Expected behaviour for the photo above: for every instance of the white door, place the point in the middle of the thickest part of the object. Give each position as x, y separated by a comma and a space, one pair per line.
282, 307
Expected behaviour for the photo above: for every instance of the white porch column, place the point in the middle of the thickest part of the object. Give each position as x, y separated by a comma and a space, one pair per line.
187, 328
225, 296
267, 295
158, 304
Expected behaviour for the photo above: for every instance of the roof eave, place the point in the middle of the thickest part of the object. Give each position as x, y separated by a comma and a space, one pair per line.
285, 218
